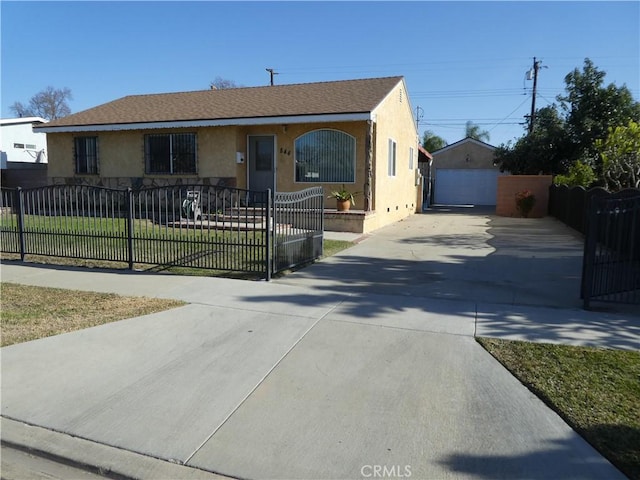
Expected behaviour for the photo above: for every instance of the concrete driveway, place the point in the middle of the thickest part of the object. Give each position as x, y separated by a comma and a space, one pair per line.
460, 254
371, 368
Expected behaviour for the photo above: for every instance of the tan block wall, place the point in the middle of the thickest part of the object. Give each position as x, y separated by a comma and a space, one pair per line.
509, 185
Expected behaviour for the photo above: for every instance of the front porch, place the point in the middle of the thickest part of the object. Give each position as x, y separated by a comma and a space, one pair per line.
354, 221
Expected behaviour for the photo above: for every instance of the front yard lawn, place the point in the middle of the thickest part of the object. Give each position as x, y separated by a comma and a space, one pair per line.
596, 391
29, 313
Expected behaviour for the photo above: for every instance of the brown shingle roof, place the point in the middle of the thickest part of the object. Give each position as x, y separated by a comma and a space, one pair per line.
347, 96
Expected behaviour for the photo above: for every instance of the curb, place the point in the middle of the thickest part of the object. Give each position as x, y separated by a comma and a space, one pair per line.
94, 457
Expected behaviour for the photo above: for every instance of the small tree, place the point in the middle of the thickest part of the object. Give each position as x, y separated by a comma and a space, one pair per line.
432, 142
50, 103
473, 131
620, 154
580, 175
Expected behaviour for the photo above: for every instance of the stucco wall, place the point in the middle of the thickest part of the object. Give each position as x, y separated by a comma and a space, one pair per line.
121, 157
465, 155
285, 137
395, 198
509, 185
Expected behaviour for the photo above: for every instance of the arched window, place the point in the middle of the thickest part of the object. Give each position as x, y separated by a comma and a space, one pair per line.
325, 156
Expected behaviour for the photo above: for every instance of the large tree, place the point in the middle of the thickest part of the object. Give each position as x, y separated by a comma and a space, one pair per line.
50, 103
223, 83
546, 150
566, 134
432, 142
473, 131
591, 109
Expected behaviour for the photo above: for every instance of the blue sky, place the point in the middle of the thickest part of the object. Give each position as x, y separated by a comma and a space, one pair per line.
461, 60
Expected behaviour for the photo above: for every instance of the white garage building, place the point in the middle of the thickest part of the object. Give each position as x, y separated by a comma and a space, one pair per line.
464, 174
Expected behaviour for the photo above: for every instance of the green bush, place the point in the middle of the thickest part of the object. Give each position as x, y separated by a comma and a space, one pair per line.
580, 175
525, 201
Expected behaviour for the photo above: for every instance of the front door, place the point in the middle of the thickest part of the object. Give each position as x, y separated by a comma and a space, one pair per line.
262, 163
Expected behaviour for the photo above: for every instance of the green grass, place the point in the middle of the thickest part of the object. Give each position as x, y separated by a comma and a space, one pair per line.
29, 313
95, 239
596, 391
86, 242
331, 247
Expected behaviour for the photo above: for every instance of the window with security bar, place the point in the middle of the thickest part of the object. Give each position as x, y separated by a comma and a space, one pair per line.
327, 156
173, 153
86, 155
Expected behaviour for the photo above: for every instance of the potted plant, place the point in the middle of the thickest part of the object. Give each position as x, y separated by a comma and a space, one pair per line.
525, 201
344, 198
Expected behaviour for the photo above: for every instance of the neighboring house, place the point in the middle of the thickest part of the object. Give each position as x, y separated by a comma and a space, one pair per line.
464, 173
425, 160
23, 152
359, 133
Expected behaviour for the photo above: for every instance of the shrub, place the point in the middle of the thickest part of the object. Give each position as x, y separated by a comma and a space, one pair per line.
525, 201
580, 175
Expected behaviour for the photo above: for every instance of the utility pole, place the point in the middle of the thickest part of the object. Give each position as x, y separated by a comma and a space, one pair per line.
536, 67
271, 73
419, 115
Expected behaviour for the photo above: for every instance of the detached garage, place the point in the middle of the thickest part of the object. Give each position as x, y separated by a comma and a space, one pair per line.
464, 174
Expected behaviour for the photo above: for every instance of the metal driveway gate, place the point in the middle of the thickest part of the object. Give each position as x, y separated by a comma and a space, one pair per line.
611, 266
298, 219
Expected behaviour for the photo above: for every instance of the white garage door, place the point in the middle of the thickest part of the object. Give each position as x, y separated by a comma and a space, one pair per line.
466, 186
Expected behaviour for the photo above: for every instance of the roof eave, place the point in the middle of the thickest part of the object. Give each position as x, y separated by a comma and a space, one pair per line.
286, 119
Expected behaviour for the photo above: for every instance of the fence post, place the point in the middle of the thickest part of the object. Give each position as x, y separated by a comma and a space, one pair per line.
588, 258
270, 225
129, 202
20, 219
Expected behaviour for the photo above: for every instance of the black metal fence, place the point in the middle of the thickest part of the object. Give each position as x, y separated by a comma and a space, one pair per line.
611, 263
611, 226
196, 226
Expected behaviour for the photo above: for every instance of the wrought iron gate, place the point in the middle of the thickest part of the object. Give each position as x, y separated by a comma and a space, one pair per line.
611, 265
298, 219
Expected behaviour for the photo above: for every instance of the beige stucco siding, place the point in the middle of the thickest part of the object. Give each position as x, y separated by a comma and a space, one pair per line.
121, 154
465, 155
285, 158
395, 197
60, 151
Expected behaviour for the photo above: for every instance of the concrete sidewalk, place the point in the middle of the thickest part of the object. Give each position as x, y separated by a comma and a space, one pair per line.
301, 378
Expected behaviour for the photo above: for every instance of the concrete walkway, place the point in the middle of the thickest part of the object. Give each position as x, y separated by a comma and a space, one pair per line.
305, 377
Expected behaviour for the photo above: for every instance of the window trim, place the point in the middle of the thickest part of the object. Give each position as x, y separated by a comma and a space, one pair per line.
170, 135
392, 158
411, 158
316, 181
85, 157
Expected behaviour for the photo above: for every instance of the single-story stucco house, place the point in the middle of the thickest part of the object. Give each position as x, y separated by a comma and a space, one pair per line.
360, 133
464, 173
